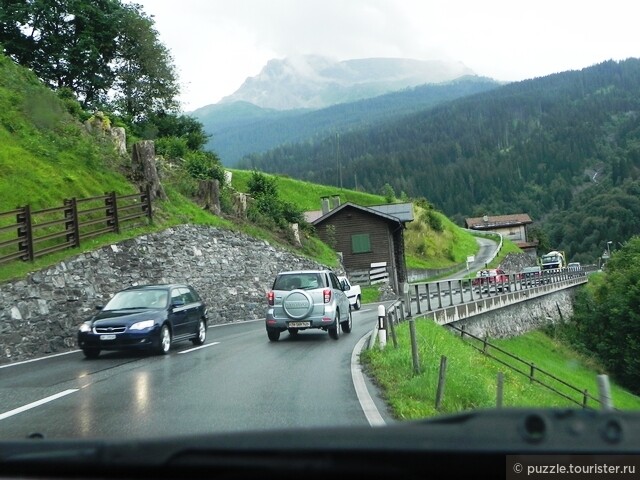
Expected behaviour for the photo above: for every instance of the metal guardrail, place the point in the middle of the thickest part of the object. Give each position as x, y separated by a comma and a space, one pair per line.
452, 300
397, 312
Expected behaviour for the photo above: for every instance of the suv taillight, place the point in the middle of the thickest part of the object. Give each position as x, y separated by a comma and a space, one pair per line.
270, 297
327, 295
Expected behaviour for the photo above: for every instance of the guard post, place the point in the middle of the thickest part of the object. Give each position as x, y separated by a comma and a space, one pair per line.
382, 326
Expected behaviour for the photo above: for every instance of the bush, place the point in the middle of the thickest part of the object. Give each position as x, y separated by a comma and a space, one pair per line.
204, 166
171, 147
606, 319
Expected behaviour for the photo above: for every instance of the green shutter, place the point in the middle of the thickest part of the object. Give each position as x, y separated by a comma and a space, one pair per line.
360, 243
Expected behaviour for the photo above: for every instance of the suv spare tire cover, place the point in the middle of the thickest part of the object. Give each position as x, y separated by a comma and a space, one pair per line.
297, 304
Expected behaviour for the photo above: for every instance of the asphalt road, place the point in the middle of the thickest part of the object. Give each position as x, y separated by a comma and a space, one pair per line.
237, 380
485, 254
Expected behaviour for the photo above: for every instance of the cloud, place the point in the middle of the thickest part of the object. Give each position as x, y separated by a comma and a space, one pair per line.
217, 44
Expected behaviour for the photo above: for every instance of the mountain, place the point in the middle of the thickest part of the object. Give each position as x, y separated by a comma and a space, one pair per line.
564, 146
313, 81
241, 128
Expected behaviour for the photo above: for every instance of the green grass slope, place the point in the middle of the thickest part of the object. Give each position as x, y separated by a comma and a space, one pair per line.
471, 377
45, 154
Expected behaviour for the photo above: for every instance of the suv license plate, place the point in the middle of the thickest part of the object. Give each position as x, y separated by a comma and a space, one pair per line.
299, 324
108, 337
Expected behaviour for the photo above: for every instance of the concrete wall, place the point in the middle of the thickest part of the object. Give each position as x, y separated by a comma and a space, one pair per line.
518, 318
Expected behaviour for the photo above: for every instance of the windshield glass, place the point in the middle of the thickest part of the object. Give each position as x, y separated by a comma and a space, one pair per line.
138, 299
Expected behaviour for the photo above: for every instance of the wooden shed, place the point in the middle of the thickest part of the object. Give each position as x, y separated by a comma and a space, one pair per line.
366, 236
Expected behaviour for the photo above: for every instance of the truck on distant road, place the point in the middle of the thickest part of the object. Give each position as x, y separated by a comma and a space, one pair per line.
553, 260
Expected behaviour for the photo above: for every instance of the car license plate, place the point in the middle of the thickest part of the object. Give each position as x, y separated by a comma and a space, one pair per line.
108, 337
299, 324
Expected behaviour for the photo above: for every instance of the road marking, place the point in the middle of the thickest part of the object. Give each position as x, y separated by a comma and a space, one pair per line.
37, 359
29, 406
366, 402
198, 348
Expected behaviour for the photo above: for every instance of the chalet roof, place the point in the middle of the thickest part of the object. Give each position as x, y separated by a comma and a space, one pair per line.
498, 221
396, 212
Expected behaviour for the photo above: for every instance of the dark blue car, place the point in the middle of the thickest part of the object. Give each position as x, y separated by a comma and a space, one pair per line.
148, 317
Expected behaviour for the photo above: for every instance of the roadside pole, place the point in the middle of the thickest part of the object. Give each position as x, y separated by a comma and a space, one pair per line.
382, 331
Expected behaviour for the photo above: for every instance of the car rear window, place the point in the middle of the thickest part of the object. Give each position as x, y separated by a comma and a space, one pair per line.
292, 281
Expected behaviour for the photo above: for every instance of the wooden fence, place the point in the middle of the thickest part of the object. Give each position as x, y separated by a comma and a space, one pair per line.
377, 273
27, 234
396, 313
528, 369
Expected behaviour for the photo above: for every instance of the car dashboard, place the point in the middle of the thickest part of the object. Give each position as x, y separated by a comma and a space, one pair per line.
484, 443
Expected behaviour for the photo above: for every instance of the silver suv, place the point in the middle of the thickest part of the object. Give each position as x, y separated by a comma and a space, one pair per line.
304, 299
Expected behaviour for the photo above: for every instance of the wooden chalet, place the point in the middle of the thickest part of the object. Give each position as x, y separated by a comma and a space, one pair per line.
513, 227
365, 236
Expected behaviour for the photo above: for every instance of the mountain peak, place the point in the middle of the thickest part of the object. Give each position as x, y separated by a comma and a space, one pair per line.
315, 81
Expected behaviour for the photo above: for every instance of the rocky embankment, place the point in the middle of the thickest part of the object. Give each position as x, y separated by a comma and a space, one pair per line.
232, 271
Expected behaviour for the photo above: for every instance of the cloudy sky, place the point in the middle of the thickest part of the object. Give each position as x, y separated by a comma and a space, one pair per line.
217, 44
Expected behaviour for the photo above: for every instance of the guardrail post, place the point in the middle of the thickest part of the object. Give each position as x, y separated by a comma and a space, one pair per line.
450, 293
406, 311
439, 295
392, 328
418, 310
428, 298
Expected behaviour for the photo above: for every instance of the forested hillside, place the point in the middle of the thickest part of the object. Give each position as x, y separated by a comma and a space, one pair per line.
241, 128
563, 148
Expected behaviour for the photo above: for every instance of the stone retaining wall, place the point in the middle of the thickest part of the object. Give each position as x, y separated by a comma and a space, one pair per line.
40, 314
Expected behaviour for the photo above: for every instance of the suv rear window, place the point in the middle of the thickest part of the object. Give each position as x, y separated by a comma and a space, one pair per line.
292, 281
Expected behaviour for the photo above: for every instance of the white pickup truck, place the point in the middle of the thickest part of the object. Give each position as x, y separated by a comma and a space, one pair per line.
353, 292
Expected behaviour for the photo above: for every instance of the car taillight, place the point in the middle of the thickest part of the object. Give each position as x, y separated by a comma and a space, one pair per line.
271, 297
327, 295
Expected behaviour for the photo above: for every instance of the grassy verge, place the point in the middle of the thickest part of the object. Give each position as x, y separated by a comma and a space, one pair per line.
370, 294
471, 377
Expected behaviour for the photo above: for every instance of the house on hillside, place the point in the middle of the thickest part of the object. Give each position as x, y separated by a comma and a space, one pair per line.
365, 236
513, 227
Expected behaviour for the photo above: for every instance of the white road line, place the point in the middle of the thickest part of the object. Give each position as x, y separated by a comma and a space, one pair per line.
38, 359
29, 406
366, 402
15, 364
198, 348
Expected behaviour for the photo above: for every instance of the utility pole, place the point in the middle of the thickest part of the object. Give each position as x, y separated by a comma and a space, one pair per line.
338, 159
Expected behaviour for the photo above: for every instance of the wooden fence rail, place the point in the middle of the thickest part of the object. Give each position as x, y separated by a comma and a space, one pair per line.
534, 373
395, 314
27, 234
377, 273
